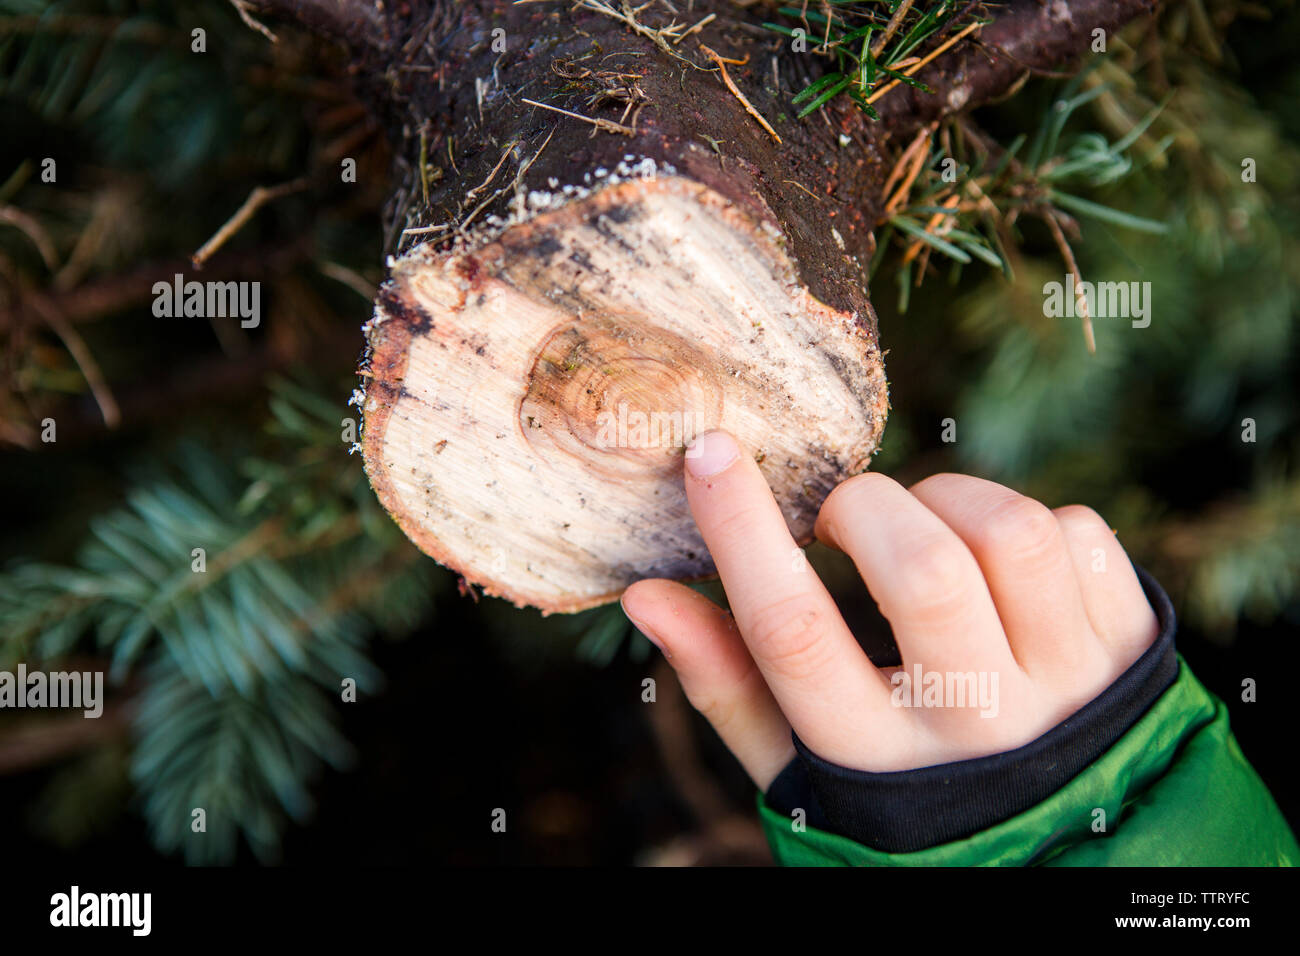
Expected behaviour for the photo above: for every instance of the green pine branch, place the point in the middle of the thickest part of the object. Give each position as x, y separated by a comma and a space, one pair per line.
244, 652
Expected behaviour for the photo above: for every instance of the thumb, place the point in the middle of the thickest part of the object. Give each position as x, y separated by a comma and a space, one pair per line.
717, 674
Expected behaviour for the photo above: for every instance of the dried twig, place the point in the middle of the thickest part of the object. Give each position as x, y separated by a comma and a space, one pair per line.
608, 126
423, 230
34, 231
735, 91
915, 154
101, 297
516, 185
626, 15
424, 165
241, 7
932, 227
258, 198
615, 86
49, 739
474, 193
891, 28
350, 278
915, 67
700, 26
799, 185
76, 347
354, 22
519, 176
1081, 300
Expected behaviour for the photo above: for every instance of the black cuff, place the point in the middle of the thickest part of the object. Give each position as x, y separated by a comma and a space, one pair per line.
910, 810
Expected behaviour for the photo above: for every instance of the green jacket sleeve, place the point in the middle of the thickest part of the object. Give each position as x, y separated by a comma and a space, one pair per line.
1175, 790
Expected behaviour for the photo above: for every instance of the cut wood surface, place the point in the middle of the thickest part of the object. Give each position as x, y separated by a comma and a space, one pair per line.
529, 401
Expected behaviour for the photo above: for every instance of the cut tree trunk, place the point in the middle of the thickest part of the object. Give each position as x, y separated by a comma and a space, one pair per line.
529, 401
604, 246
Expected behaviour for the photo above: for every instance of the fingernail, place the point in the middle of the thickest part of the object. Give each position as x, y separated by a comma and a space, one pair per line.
645, 630
711, 453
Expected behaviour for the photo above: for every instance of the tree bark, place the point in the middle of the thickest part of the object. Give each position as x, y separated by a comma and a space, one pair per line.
594, 225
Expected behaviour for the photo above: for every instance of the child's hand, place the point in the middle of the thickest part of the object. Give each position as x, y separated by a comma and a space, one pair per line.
972, 577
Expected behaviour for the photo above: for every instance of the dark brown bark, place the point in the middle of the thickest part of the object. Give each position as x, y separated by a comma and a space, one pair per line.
685, 111
1026, 37
419, 60
358, 23
46, 739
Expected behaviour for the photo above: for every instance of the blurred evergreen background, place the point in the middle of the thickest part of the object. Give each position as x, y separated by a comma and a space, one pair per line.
174, 434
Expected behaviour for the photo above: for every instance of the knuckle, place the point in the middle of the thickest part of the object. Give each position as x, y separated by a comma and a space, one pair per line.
937, 483
1080, 521
936, 578
723, 705
1020, 529
850, 496
717, 710
788, 635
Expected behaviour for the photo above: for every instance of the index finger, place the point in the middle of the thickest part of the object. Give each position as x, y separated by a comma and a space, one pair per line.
825, 684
